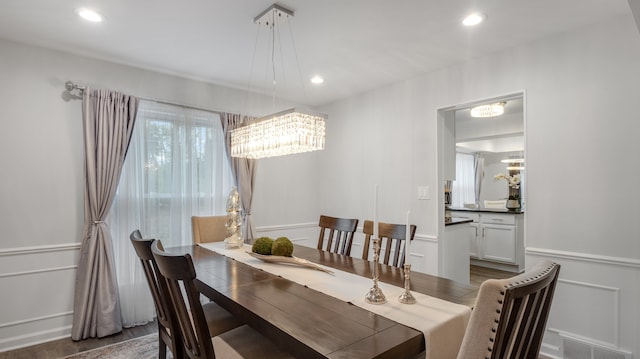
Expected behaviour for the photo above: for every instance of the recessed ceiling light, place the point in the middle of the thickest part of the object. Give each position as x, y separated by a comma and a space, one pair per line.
474, 19
89, 15
317, 80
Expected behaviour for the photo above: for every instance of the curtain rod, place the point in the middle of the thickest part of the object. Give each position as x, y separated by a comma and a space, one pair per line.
71, 86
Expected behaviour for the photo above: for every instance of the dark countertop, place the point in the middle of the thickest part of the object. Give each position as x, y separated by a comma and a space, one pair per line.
491, 210
456, 220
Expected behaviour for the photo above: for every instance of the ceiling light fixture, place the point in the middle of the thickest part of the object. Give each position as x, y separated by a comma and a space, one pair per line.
488, 110
474, 19
513, 160
317, 80
283, 133
89, 15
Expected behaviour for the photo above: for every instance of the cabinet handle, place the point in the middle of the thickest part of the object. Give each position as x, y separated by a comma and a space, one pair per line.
483, 231
498, 219
476, 231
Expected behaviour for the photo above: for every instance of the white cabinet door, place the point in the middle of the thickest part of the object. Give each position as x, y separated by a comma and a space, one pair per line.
474, 240
499, 243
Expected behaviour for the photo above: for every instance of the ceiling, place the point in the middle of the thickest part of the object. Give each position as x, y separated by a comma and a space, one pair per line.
356, 45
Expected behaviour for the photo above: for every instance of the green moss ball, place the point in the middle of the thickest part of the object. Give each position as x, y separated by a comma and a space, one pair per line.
282, 247
262, 245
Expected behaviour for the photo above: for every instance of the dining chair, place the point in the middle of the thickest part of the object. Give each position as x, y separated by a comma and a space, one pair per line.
168, 325
510, 315
200, 338
208, 228
338, 233
391, 235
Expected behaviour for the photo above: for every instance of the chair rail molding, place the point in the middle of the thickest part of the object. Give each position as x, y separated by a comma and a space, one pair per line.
587, 257
38, 249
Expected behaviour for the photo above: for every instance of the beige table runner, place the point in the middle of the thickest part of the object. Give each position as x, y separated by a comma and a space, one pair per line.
443, 323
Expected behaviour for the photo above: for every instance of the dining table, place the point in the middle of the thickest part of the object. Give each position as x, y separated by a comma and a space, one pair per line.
309, 321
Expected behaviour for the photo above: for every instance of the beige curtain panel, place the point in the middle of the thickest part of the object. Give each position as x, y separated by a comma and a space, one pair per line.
244, 173
108, 119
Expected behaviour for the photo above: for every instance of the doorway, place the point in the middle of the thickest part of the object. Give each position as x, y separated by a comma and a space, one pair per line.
473, 151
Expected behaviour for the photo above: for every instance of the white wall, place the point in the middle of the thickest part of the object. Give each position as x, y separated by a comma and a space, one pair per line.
41, 182
582, 173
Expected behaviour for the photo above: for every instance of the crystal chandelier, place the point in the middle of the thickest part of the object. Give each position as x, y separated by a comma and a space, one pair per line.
489, 110
283, 133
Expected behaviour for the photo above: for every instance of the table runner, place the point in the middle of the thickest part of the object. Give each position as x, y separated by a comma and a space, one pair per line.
443, 323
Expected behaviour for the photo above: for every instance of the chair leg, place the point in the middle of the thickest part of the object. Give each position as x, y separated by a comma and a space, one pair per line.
162, 349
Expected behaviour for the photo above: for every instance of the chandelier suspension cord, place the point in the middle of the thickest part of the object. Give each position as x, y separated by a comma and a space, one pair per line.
273, 62
295, 54
253, 60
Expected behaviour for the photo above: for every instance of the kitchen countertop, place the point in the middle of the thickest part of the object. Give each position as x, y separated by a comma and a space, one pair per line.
456, 220
490, 210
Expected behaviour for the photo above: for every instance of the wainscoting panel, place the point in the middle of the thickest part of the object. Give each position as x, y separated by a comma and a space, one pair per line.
595, 307
37, 296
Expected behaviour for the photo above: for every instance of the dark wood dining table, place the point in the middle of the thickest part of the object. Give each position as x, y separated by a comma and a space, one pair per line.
311, 324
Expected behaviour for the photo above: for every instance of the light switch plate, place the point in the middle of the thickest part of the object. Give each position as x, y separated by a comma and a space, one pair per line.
423, 192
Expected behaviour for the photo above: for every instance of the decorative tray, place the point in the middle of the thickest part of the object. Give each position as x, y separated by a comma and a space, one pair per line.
289, 260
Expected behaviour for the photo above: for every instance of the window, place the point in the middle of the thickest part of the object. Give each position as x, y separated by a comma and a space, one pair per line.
176, 167
463, 188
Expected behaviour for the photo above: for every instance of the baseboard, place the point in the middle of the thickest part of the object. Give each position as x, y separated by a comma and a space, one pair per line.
35, 338
495, 265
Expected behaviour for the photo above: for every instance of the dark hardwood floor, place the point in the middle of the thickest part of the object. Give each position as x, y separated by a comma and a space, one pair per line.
63, 347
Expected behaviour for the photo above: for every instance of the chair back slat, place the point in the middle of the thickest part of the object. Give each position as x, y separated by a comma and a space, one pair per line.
179, 274
341, 232
391, 235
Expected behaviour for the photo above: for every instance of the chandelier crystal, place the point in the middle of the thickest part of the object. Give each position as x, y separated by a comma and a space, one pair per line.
288, 132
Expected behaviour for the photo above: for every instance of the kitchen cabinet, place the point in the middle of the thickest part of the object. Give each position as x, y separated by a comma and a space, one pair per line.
455, 254
496, 239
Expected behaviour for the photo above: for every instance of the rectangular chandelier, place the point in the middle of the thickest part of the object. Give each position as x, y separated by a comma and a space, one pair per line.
284, 133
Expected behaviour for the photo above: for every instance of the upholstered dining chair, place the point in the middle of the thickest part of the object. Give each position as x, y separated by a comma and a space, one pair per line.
336, 234
510, 315
168, 327
391, 235
208, 228
199, 339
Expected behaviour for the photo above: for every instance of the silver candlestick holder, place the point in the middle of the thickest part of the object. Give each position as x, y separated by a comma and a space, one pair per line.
375, 295
407, 297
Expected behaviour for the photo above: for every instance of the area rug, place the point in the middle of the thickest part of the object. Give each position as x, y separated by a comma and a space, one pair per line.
145, 347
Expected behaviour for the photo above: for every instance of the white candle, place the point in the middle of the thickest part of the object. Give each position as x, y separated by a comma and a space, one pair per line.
407, 241
375, 212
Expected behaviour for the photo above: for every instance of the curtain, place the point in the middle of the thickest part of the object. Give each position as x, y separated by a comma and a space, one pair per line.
176, 168
478, 175
108, 121
463, 190
244, 173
